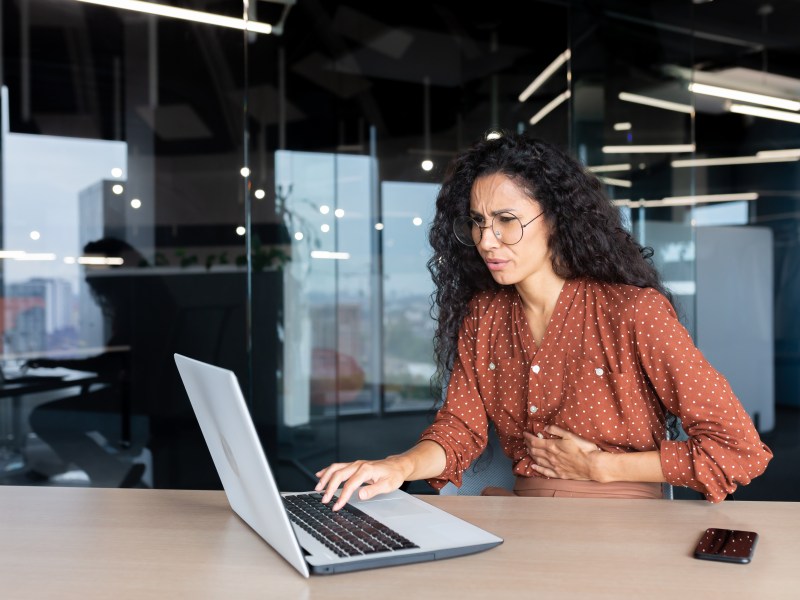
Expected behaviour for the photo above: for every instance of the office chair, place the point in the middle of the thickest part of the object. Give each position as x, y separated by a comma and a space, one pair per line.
492, 468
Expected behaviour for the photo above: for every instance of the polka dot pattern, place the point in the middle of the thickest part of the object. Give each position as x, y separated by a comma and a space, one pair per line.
613, 359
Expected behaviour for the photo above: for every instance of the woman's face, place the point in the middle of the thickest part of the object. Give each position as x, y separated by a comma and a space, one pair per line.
510, 264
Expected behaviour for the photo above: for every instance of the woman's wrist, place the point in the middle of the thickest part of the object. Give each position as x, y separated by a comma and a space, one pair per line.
607, 467
404, 463
426, 459
601, 466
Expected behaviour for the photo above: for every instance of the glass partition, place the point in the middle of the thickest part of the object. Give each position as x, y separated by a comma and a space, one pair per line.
122, 240
261, 202
633, 117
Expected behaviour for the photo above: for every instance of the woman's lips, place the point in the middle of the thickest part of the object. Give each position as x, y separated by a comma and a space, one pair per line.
496, 264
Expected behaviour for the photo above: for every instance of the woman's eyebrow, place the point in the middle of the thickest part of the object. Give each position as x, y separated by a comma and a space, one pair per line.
494, 213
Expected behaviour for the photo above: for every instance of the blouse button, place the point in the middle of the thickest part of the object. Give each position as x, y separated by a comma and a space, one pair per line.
492, 367
540, 436
598, 371
534, 409
536, 368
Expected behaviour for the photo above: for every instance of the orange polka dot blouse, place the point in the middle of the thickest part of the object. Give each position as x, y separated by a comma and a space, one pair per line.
613, 359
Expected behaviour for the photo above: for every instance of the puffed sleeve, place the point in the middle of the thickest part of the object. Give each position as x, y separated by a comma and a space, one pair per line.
461, 425
723, 449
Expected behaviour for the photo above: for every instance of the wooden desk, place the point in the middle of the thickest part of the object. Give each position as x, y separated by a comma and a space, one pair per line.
113, 543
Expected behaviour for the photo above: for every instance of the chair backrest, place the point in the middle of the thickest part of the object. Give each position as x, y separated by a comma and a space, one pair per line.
492, 468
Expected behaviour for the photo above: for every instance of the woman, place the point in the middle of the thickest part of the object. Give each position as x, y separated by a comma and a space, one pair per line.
555, 326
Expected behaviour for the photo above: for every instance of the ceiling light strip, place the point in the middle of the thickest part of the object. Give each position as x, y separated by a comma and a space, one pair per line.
657, 103
624, 126
100, 260
610, 168
618, 182
730, 94
36, 256
679, 200
688, 200
185, 14
545, 75
784, 153
549, 107
649, 149
326, 254
767, 113
732, 160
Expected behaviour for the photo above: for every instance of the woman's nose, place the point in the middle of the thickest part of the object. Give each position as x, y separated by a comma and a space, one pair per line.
489, 239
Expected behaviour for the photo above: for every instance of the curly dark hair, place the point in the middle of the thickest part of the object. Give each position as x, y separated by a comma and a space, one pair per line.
587, 237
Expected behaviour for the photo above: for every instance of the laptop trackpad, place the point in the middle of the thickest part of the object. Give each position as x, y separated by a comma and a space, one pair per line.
384, 508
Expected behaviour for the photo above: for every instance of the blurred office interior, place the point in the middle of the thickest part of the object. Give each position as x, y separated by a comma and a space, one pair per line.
275, 186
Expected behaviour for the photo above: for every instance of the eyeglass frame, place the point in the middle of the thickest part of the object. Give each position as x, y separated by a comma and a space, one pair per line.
491, 225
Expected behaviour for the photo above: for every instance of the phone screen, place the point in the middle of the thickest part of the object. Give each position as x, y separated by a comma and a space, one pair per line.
728, 545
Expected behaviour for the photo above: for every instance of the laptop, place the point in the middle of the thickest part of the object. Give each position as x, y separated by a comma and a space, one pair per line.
390, 529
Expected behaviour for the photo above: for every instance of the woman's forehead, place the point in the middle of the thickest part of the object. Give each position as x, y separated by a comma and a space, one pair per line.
497, 192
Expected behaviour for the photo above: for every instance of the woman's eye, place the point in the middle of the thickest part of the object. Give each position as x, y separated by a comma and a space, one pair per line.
506, 218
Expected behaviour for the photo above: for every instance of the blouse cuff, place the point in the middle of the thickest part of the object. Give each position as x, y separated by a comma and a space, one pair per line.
449, 473
678, 466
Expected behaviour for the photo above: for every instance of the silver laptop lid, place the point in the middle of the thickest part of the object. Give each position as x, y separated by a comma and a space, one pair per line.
232, 440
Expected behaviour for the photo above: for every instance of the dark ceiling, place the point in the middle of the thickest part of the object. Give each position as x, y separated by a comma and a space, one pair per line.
349, 65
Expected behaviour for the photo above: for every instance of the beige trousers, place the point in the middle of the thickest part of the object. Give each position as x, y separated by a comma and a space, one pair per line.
542, 487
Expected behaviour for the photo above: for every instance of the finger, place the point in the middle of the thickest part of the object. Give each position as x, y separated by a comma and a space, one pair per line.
539, 453
353, 483
542, 447
533, 441
336, 480
383, 484
546, 471
326, 473
544, 462
556, 430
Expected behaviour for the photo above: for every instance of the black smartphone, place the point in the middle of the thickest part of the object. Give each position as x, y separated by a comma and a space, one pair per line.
727, 545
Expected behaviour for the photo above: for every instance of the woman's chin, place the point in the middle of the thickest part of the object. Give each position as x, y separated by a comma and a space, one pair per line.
503, 278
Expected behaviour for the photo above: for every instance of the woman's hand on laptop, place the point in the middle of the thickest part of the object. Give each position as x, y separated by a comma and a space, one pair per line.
380, 477
426, 459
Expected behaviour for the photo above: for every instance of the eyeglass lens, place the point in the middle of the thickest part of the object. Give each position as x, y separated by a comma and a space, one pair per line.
506, 227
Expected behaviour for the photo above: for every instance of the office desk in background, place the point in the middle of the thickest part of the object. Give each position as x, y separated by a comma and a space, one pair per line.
13, 390
136, 543
14, 386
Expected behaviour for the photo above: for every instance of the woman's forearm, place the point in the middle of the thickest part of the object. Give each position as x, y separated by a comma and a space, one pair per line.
424, 461
627, 466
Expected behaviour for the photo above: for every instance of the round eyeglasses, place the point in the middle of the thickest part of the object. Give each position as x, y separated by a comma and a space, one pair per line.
506, 226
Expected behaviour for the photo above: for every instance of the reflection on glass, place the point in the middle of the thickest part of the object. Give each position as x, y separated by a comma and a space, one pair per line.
408, 329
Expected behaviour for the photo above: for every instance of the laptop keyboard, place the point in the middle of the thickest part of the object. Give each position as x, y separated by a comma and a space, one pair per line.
346, 532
